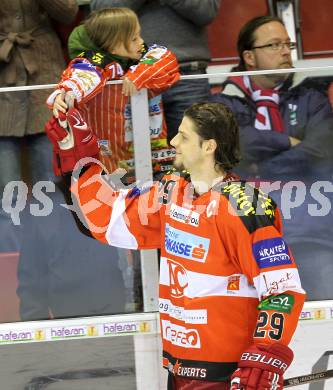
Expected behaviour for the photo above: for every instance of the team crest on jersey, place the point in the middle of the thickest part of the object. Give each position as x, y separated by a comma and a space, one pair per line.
178, 279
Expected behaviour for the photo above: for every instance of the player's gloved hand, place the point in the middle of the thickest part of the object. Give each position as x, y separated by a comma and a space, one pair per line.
72, 139
261, 367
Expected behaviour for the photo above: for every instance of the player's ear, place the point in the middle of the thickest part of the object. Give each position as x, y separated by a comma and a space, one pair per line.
211, 146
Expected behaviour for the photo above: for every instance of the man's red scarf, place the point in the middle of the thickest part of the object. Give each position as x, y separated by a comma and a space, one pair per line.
268, 116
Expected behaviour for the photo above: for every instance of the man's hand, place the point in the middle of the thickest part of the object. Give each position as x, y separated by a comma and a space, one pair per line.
262, 367
72, 139
294, 141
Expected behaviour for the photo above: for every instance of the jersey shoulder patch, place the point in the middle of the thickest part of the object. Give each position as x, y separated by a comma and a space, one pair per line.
176, 173
255, 208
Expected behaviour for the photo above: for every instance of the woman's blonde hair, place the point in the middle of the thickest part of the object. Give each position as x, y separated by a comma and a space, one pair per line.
110, 26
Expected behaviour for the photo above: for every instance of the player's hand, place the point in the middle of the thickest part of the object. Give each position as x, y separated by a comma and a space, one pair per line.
63, 102
262, 367
129, 88
72, 139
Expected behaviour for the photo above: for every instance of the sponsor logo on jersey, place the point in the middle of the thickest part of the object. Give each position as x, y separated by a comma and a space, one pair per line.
163, 154
183, 215
155, 105
180, 336
104, 147
241, 196
128, 111
277, 282
179, 369
178, 312
233, 283
191, 372
186, 245
271, 252
155, 131
281, 303
188, 372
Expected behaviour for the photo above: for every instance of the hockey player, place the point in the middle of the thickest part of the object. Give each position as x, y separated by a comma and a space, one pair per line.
108, 46
230, 294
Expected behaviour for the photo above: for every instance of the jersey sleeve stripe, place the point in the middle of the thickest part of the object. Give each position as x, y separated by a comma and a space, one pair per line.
117, 232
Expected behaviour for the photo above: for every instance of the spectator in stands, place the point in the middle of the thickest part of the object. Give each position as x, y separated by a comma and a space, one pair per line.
286, 135
108, 46
62, 272
181, 26
30, 53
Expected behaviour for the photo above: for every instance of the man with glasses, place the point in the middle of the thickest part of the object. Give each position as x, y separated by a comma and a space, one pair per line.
286, 134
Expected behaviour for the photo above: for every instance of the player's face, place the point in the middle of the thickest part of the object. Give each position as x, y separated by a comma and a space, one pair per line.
188, 145
134, 46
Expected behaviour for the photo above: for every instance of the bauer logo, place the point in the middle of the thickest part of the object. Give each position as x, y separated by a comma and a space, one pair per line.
186, 245
271, 252
183, 215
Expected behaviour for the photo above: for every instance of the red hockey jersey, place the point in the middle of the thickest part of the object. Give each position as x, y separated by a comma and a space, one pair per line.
227, 276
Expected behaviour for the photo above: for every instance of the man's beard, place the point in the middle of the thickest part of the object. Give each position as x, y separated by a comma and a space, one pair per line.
178, 165
278, 78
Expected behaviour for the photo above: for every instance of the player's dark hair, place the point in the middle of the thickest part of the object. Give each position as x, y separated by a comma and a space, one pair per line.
246, 37
216, 121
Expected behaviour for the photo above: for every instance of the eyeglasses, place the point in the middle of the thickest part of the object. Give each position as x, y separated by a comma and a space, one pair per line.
277, 46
